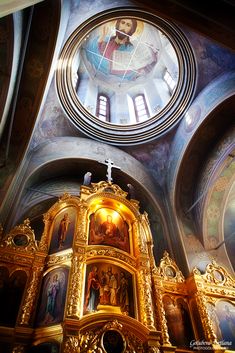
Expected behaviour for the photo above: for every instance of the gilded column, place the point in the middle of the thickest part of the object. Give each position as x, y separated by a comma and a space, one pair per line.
28, 306
206, 321
161, 313
81, 233
43, 244
146, 301
74, 307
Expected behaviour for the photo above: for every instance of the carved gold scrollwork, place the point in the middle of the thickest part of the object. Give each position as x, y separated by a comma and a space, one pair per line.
74, 296
43, 244
72, 345
169, 270
161, 313
216, 274
91, 341
21, 239
104, 186
65, 197
206, 321
145, 291
81, 227
30, 298
139, 234
154, 349
133, 344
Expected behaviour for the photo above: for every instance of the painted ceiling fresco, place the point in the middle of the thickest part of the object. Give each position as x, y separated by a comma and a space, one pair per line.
123, 50
122, 58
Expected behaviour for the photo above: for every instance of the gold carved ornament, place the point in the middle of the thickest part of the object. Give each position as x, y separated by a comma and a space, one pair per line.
169, 271
206, 321
21, 239
30, 298
145, 298
74, 296
90, 341
81, 226
216, 274
161, 313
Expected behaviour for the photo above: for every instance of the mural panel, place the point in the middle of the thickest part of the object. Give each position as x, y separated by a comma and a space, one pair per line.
52, 298
108, 287
63, 230
107, 227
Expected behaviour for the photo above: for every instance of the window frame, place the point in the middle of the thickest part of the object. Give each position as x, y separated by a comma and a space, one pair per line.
99, 106
137, 111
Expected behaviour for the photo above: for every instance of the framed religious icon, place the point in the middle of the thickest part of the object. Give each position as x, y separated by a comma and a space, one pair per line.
63, 230
108, 288
225, 313
52, 297
107, 227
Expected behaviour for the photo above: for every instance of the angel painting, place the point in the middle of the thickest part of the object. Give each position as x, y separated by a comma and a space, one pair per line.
52, 299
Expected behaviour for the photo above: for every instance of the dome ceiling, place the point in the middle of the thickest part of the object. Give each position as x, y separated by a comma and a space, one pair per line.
121, 76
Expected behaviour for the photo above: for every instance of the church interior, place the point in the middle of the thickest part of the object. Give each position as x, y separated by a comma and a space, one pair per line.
117, 176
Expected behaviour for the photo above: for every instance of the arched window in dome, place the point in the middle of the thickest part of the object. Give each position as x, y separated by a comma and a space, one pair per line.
171, 83
103, 107
141, 108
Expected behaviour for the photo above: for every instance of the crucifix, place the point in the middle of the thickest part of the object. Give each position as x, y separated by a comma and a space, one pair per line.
110, 165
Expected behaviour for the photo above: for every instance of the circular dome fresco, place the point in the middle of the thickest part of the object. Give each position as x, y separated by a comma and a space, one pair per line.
125, 77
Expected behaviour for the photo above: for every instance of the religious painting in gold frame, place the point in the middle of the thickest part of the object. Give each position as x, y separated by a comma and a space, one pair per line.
178, 321
225, 312
107, 227
52, 297
108, 288
63, 230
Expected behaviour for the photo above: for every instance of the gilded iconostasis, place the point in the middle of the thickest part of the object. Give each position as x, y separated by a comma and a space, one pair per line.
92, 282
117, 163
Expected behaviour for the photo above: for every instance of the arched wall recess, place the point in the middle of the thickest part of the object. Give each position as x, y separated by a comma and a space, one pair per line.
79, 156
217, 94
217, 232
